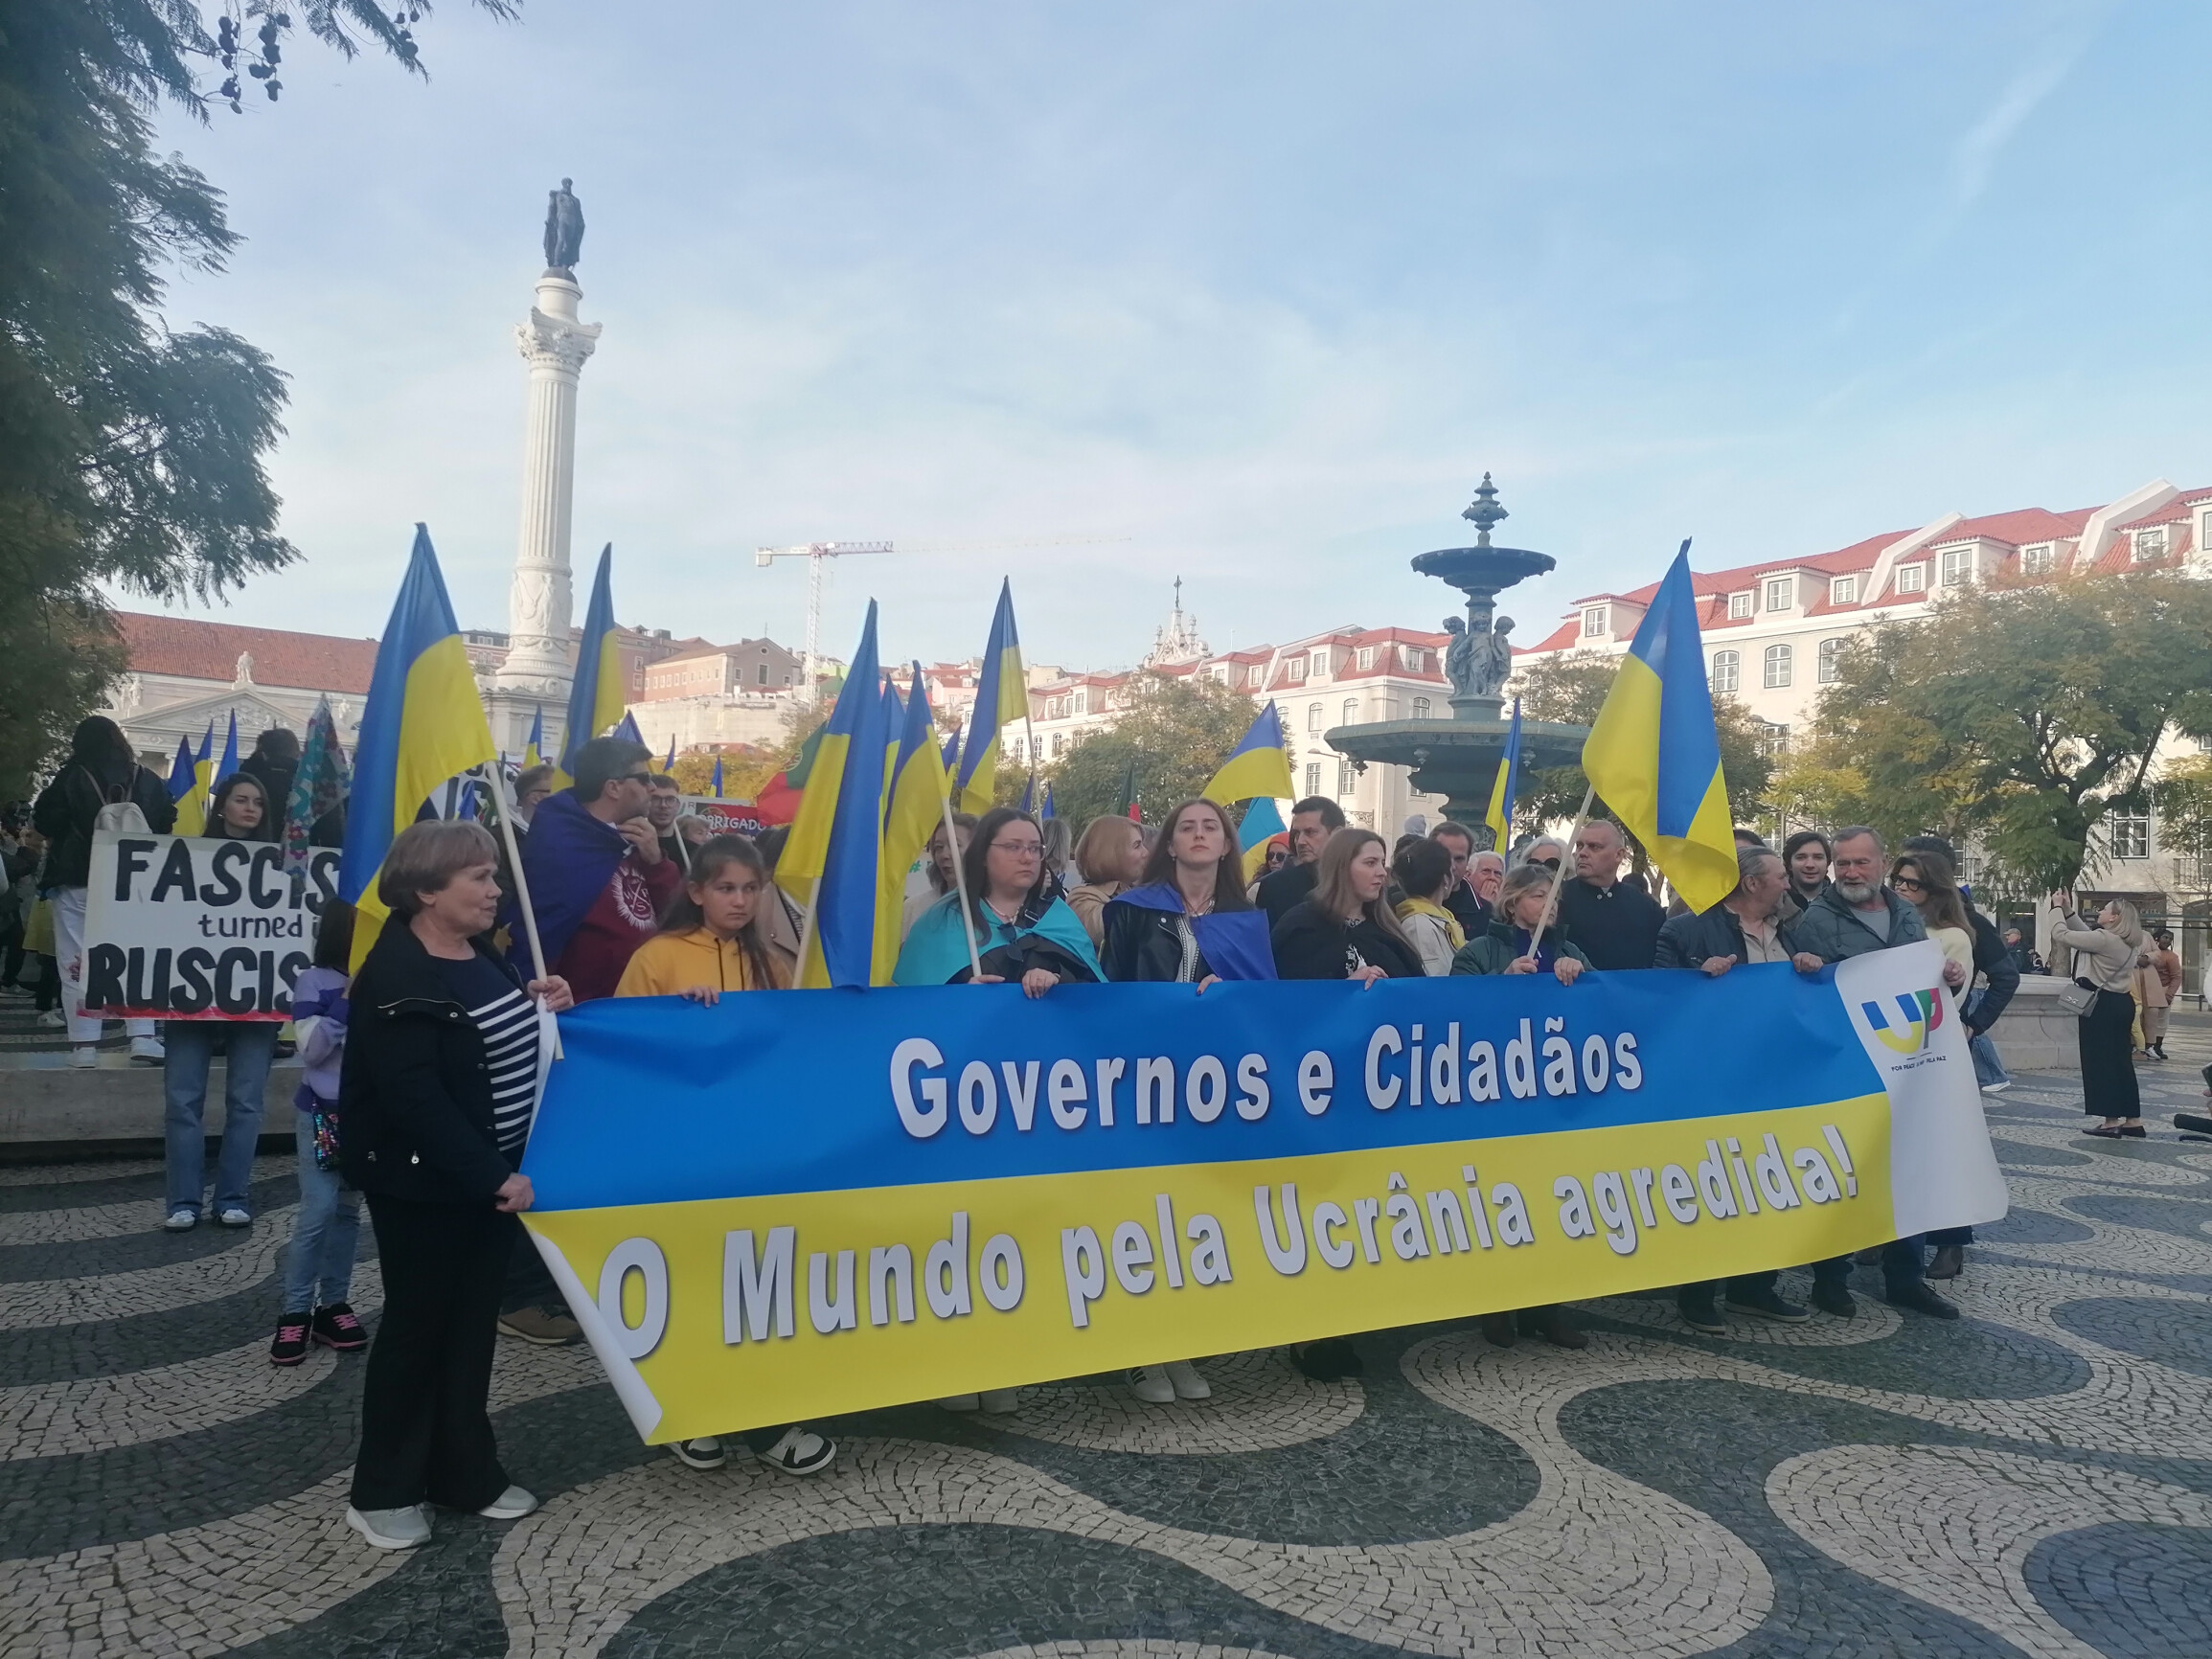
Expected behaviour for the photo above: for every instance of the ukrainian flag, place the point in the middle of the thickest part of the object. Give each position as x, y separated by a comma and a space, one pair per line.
422, 724
595, 701
668, 765
1258, 765
1001, 697
912, 811
192, 805
230, 760
717, 777
1262, 823
837, 842
534, 750
1654, 756
1499, 817
181, 774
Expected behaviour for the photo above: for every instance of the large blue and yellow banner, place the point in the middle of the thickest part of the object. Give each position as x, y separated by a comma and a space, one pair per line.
799, 1203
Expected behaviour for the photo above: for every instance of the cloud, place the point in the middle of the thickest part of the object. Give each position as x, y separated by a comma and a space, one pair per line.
1976, 155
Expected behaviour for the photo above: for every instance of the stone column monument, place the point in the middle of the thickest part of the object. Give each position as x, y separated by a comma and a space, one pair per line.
537, 673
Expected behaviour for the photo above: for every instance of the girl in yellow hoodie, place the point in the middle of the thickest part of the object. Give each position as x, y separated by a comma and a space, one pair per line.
714, 936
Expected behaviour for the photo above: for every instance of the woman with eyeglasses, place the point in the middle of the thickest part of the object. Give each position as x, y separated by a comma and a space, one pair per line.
1021, 932
1925, 881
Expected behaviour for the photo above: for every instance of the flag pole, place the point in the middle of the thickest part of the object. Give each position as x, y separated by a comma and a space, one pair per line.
807, 934
960, 885
521, 885
1552, 899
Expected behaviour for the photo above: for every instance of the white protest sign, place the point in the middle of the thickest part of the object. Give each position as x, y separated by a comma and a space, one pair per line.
194, 927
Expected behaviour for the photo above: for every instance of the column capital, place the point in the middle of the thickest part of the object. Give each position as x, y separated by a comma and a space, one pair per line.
557, 343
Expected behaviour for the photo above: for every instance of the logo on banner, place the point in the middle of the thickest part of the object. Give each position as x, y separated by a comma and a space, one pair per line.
1909, 1028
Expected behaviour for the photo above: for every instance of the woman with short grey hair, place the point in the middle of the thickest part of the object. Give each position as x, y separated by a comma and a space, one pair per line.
435, 1096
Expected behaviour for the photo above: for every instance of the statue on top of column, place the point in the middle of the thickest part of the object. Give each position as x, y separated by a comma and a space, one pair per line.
563, 228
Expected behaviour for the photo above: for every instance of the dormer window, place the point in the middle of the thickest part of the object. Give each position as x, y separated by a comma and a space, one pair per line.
1366, 657
1295, 668
2150, 544
1320, 663
1739, 607
1594, 622
1258, 677
1842, 590
1957, 566
1778, 593
1413, 657
1913, 578
2037, 560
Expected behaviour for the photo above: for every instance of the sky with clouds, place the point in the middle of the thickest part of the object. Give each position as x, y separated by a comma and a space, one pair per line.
1251, 293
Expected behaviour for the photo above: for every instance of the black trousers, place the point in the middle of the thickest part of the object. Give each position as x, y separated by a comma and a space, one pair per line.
426, 1429
2109, 1087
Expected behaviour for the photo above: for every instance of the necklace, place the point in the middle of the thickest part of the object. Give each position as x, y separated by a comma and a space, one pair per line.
1004, 918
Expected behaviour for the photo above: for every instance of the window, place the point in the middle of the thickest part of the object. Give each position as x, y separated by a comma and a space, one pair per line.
2037, 560
1957, 566
762, 670
1774, 739
1726, 665
1350, 711
1343, 779
1913, 578
1842, 590
1320, 664
2150, 544
1827, 670
1258, 677
1739, 607
1082, 703
2128, 834
1420, 708
1058, 743
1221, 676
1778, 593
1413, 657
1778, 667
1594, 622
1366, 656
1313, 716
1313, 777
1296, 667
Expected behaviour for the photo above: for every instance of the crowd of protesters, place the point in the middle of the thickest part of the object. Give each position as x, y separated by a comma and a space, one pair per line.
419, 1071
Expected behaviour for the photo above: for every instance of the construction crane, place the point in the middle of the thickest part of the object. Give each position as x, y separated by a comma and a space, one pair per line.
817, 553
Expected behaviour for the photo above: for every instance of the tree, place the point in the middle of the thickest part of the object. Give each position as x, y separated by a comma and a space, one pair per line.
2020, 716
1174, 732
1571, 687
131, 455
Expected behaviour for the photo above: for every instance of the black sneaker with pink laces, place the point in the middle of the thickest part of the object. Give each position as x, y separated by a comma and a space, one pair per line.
336, 1327
291, 1344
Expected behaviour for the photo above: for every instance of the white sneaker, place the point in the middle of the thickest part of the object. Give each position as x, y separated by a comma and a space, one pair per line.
1996, 1088
1150, 1384
700, 1452
234, 1217
391, 1528
183, 1221
1189, 1384
84, 1057
960, 1402
53, 1019
800, 1452
998, 1401
147, 1052
511, 1505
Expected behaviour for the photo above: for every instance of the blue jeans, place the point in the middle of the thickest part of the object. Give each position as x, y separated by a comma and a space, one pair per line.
319, 1268
249, 1045
1988, 1068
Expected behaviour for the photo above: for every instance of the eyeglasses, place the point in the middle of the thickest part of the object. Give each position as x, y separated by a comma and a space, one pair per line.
1019, 848
637, 777
1909, 884
1547, 863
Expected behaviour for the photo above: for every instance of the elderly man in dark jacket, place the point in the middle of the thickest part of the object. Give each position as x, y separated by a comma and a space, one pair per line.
1616, 922
1856, 915
1747, 927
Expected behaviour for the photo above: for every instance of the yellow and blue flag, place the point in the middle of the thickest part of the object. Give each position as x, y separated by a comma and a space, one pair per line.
423, 723
192, 805
181, 776
912, 811
1258, 765
668, 765
717, 777
1654, 755
1499, 817
534, 750
1001, 698
230, 760
595, 701
1262, 823
1046, 815
837, 842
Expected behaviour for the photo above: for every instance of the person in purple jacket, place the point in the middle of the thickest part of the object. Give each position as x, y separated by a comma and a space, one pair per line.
319, 1266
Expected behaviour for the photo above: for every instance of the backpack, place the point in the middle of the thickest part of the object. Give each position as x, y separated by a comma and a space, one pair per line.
118, 817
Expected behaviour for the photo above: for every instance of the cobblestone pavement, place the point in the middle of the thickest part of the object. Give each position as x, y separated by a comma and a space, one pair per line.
2033, 1480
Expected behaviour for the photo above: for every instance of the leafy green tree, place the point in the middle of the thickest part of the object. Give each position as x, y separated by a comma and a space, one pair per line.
1174, 733
132, 456
1571, 687
2020, 716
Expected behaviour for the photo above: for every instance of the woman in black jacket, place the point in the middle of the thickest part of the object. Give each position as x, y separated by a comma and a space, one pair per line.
102, 771
1346, 930
1160, 929
434, 1104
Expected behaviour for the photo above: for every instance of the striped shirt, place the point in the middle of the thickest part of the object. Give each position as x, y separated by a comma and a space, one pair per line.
508, 1023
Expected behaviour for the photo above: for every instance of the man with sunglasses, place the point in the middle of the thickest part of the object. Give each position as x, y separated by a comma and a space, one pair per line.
597, 878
